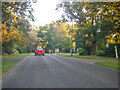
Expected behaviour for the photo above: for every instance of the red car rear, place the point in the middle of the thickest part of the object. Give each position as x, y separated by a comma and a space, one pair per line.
39, 51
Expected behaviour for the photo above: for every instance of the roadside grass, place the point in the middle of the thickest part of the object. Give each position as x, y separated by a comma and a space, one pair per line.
84, 56
6, 65
110, 64
16, 56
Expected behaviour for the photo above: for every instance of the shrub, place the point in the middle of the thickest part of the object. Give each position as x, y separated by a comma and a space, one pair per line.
82, 51
14, 51
110, 51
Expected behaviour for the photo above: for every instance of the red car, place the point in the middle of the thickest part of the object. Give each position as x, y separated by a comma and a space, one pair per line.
39, 51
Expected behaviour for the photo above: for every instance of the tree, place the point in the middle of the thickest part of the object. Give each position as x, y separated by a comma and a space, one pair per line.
15, 27
95, 21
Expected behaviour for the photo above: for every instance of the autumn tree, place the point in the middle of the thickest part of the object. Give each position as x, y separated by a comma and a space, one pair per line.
95, 21
15, 26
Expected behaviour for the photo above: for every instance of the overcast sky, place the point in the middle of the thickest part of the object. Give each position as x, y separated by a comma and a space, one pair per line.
45, 12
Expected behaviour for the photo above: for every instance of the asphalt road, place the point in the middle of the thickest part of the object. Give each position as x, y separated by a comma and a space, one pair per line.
54, 71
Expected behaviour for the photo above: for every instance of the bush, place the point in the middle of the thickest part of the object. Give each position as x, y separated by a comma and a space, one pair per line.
110, 51
14, 51
101, 53
82, 51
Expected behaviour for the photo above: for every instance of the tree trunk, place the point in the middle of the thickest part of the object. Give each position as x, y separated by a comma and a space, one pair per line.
116, 51
95, 48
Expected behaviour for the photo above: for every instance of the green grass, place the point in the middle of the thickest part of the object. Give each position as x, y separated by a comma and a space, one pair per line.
84, 56
7, 65
110, 64
17, 56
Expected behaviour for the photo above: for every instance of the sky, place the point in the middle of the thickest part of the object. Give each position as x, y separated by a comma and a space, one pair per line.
45, 13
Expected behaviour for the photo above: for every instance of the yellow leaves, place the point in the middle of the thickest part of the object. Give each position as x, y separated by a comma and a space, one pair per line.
44, 31
39, 46
0, 36
47, 42
15, 6
86, 35
115, 18
55, 25
86, 42
9, 7
91, 35
105, 13
87, 22
33, 43
67, 35
81, 23
13, 35
84, 6
114, 38
18, 17
48, 27
13, 2
4, 32
4, 26
74, 44
4, 35
42, 40
43, 46
90, 12
111, 41
73, 39
21, 3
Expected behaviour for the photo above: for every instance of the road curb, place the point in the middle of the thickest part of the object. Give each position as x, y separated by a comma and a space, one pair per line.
14, 67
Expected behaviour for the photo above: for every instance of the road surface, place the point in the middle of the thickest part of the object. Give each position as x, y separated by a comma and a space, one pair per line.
54, 71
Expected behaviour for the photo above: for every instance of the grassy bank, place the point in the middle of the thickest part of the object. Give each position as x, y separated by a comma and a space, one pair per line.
110, 64
84, 56
8, 64
18, 55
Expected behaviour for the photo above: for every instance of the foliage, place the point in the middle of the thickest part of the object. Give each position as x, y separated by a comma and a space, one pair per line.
97, 24
55, 35
15, 27
109, 51
82, 51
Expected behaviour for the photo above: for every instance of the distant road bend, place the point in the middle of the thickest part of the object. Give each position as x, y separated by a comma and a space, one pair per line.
54, 71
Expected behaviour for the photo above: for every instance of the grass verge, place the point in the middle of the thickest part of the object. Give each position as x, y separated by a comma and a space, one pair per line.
17, 56
85, 56
110, 64
6, 65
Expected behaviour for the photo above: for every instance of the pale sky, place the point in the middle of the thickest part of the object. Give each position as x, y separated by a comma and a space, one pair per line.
45, 12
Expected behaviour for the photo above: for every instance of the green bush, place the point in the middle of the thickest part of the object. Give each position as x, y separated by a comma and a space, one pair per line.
82, 51
14, 51
109, 51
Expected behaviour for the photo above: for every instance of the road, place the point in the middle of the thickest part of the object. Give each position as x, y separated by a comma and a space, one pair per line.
54, 71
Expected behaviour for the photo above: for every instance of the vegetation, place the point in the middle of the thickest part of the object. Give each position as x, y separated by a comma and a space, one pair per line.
97, 26
7, 65
84, 56
110, 64
16, 28
23, 55
94, 29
